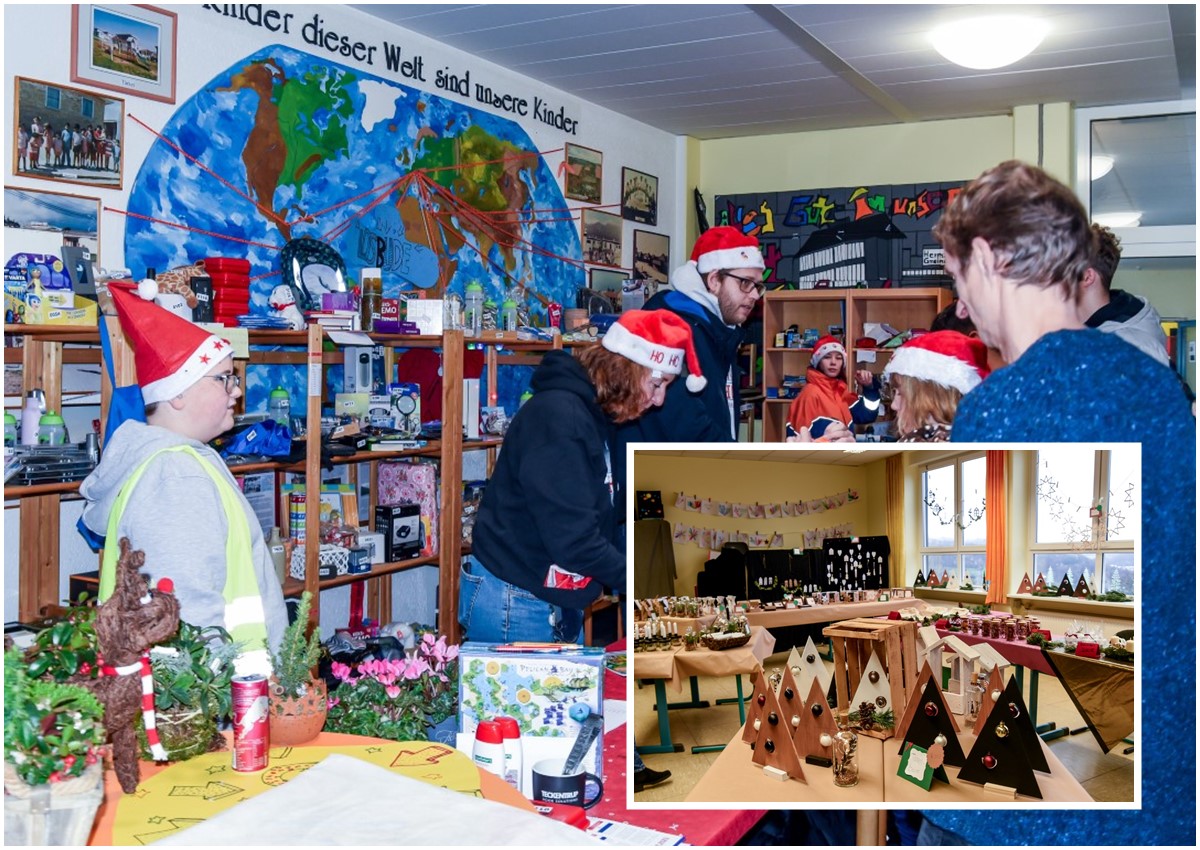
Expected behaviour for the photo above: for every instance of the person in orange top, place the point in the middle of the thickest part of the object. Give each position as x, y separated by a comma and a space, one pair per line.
826, 399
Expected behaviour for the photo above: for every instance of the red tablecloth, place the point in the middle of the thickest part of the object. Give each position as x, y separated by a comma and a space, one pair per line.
1027, 655
716, 827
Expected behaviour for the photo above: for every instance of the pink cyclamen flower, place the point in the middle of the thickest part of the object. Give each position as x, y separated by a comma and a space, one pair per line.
392, 691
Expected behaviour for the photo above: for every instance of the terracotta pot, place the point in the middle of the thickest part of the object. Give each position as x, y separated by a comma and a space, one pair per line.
297, 720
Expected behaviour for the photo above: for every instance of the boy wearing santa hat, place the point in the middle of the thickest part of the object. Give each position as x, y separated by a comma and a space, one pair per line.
163, 487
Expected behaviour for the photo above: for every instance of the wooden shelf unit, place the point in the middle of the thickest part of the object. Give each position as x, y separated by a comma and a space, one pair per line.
902, 308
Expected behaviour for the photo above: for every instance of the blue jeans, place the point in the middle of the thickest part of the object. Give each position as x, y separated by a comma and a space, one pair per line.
491, 610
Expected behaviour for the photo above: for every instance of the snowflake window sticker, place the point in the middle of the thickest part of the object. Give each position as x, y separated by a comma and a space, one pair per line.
939, 509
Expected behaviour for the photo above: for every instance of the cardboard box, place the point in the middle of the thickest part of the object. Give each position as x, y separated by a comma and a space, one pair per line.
406, 482
356, 405
400, 526
545, 692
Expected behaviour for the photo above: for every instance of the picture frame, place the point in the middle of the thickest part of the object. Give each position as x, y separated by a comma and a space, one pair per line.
606, 280
602, 237
639, 196
584, 176
125, 48
42, 222
95, 162
652, 257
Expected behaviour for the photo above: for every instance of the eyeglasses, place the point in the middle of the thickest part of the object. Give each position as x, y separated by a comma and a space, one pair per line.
229, 379
747, 284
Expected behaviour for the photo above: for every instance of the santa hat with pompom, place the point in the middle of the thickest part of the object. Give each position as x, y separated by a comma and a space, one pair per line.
726, 247
658, 340
170, 353
826, 345
947, 358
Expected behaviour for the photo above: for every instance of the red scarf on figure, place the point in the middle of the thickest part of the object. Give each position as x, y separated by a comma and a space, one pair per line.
821, 396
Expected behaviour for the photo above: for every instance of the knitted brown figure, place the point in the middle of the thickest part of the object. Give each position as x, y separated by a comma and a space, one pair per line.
128, 623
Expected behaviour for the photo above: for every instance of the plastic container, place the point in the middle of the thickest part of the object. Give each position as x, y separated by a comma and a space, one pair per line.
31, 415
278, 554
52, 431
525, 396
371, 300
488, 753
279, 406
513, 767
508, 315
10, 430
452, 312
473, 310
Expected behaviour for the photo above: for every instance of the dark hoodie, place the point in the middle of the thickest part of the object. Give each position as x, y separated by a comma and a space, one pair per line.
549, 500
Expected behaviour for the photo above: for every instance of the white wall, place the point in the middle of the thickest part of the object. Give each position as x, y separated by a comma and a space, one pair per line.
209, 42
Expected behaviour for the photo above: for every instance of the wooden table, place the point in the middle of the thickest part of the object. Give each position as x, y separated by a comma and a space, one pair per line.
813, 614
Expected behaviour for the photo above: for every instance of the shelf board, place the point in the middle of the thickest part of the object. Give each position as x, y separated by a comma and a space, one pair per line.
482, 443
294, 587
25, 491
55, 333
1121, 610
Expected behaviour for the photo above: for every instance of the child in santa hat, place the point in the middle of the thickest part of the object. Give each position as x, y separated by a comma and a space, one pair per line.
547, 538
161, 485
825, 398
926, 379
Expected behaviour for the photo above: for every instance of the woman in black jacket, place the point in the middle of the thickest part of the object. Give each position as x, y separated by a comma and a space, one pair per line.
546, 541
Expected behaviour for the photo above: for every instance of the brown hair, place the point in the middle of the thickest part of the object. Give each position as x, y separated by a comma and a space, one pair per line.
948, 320
924, 402
1106, 254
1035, 225
618, 382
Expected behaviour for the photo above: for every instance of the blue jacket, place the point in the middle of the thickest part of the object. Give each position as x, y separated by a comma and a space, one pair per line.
1088, 386
549, 499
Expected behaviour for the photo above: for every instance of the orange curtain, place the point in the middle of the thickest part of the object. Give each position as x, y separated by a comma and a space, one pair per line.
894, 487
997, 527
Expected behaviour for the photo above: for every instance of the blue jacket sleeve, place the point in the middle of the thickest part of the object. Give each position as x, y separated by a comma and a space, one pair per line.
866, 409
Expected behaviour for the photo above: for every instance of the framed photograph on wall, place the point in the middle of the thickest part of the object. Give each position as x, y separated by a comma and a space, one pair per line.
37, 222
584, 173
69, 135
652, 257
639, 196
601, 237
126, 48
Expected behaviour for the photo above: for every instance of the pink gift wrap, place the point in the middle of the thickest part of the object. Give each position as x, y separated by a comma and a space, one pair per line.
402, 482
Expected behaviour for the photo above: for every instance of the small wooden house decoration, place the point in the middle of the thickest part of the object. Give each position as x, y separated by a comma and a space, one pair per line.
929, 649
991, 694
962, 665
1026, 585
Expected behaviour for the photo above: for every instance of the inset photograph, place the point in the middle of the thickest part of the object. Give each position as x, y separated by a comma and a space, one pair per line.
875, 626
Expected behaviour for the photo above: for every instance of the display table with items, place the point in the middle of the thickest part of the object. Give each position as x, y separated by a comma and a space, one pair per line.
773, 618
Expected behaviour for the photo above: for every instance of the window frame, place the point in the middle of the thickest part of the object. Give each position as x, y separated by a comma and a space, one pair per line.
57, 107
1099, 546
958, 549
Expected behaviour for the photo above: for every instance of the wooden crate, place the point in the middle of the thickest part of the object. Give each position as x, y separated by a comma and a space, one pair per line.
894, 642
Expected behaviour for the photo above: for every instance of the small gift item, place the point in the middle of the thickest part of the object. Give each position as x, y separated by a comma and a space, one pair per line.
845, 758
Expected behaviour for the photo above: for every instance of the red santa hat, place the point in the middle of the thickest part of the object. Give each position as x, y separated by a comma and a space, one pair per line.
726, 248
947, 358
658, 340
826, 345
170, 352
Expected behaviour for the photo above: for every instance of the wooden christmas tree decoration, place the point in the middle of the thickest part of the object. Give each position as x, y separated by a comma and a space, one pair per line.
991, 695
758, 700
933, 580
945, 578
1081, 588
1003, 754
807, 665
873, 687
1064, 586
952, 584
928, 722
790, 702
919, 581
817, 725
1039, 586
774, 749
1026, 585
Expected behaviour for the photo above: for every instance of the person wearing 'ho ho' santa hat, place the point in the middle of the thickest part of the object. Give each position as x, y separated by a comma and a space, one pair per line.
927, 377
714, 293
548, 536
162, 486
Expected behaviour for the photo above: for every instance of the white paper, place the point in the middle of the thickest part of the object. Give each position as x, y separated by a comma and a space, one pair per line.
864, 355
426, 314
614, 714
350, 338
627, 834
917, 762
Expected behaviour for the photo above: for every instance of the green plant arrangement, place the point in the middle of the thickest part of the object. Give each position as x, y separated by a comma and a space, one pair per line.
981, 609
1110, 596
397, 700
868, 718
52, 731
66, 649
299, 652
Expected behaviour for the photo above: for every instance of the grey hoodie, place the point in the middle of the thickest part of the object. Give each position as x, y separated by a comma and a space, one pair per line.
175, 516
1134, 320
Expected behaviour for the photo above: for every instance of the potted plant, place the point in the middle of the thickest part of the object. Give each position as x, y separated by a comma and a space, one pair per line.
53, 742
298, 699
192, 676
403, 700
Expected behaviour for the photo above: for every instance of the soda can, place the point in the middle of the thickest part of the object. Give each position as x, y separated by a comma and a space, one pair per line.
554, 314
251, 723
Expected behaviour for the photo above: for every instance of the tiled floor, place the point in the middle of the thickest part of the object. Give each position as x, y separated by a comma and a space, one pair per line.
1106, 777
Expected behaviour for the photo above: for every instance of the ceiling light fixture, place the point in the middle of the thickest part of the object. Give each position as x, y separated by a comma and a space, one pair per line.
1101, 165
992, 41
1118, 219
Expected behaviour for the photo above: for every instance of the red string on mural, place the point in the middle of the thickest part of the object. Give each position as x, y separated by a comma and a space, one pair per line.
506, 158
192, 229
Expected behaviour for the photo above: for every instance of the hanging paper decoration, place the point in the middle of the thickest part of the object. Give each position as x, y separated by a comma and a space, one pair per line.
720, 538
757, 511
680, 533
681, 502
774, 512
787, 509
707, 507
739, 510
724, 509
777, 540
703, 538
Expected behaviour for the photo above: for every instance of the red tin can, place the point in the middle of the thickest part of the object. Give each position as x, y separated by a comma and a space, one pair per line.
251, 723
554, 314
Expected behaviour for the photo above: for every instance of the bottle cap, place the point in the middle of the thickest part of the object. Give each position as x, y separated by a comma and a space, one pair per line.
489, 732
509, 304
474, 286
509, 727
279, 392
50, 418
9, 419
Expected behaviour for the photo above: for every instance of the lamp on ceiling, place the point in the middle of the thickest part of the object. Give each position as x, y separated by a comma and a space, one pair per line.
1129, 218
992, 41
1101, 165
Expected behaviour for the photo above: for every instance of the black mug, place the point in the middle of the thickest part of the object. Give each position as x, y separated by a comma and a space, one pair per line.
550, 786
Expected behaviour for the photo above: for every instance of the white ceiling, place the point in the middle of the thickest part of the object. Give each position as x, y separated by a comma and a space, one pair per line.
725, 70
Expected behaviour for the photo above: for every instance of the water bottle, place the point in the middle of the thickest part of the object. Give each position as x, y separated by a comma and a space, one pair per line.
31, 415
525, 396
473, 307
508, 315
278, 554
10, 430
279, 406
52, 431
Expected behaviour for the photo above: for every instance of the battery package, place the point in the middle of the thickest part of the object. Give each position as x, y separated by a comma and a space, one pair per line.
401, 528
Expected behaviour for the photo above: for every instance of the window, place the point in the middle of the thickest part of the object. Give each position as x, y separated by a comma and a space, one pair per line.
1087, 514
954, 536
87, 107
53, 97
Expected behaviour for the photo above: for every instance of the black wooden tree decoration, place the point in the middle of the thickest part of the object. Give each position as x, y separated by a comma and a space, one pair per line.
929, 723
1003, 754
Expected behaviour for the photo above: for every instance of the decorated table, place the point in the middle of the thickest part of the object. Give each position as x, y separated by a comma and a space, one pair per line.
812, 614
735, 778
